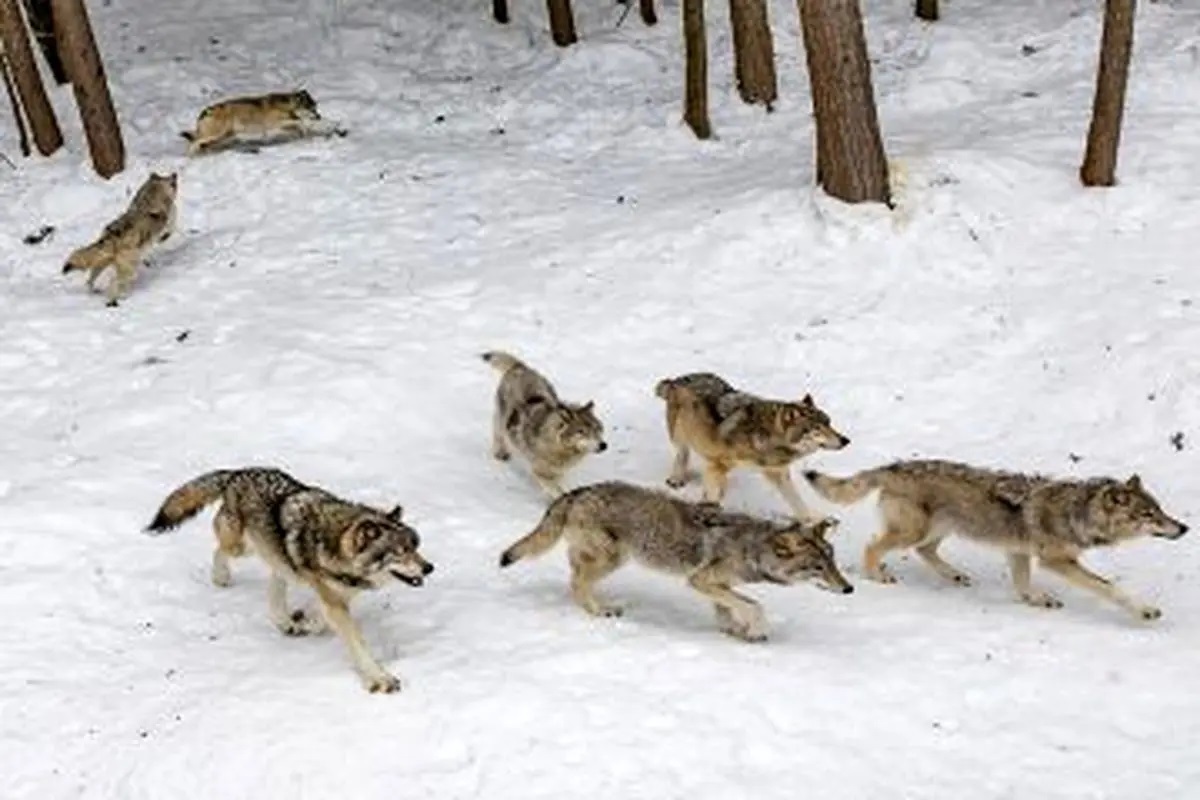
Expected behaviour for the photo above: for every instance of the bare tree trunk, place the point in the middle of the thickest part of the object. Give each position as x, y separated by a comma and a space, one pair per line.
562, 22
695, 46
754, 52
1104, 134
46, 134
500, 11
86, 72
41, 22
851, 163
646, 7
18, 117
927, 10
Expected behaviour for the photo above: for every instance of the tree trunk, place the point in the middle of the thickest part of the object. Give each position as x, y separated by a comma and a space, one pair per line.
86, 73
41, 22
851, 163
562, 22
927, 10
646, 7
500, 11
1104, 134
18, 117
695, 45
46, 135
754, 52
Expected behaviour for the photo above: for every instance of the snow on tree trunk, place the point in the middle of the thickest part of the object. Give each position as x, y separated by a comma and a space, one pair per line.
695, 45
562, 22
754, 52
77, 47
24, 72
851, 163
1104, 134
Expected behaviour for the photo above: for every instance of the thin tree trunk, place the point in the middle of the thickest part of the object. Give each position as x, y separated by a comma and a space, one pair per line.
927, 10
695, 45
41, 22
646, 7
86, 72
754, 52
851, 163
46, 135
1104, 134
500, 11
562, 22
18, 117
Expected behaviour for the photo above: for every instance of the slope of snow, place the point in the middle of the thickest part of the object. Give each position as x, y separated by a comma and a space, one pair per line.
322, 310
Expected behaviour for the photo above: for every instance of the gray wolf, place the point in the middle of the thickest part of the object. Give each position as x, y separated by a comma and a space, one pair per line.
1025, 515
288, 114
309, 537
606, 524
125, 242
729, 428
529, 417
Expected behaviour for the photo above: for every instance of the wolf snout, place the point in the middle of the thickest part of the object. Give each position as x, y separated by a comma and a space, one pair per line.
843, 441
427, 568
67, 267
600, 448
847, 589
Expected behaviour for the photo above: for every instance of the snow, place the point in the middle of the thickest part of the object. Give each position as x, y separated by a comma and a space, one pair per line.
335, 295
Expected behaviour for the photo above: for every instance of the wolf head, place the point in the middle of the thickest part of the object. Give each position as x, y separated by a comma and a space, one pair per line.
304, 104
578, 428
380, 546
166, 185
799, 553
1119, 510
806, 428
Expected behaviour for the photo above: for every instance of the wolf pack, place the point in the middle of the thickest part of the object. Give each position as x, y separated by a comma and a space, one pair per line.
339, 548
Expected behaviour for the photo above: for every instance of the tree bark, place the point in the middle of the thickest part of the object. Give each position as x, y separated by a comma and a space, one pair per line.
562, 22
695, 45
754, 52
46, 135
500, 11
646, 7
41, 22
1104, 133
927, 10
86, 73
18, 117
851, 163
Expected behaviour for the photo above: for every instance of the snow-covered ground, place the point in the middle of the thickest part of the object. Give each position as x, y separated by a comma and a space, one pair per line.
322, 310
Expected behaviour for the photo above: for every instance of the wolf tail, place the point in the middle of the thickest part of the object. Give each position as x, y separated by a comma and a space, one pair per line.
544, 536
845, 491
663, 388
502, 361
90, 257
187, 135
186, 501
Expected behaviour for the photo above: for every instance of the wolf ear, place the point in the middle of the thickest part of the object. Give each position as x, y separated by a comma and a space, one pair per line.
587, 407
826, 526
1134, 482
396, 514
808, 401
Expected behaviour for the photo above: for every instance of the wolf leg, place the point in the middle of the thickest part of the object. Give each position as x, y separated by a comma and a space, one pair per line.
126, 269
588, 567
928, 551
746, 617
1075, 573
781, 479
374, 677
289, 623
680, 475
716, 481
500, 450
1018, 566
230, 544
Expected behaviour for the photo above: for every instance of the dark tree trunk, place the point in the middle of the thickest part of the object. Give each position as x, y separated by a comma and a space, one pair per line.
646, 7
1104, 134
86, 73
851, 163
562, 22
927, 10
500, 11
41, 22
754, 52
24, 72
695, 45
18, 117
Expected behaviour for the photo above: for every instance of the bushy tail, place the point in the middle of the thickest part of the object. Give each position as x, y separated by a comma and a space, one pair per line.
544, 536
188, 135
90, 257
663, 388
502, 361
186, 501
844, 491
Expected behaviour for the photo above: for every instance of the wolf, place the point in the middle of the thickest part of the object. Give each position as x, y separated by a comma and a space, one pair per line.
529, 417
730, 428
124, 243
1026, 515
289, 114
607, 523
309, 537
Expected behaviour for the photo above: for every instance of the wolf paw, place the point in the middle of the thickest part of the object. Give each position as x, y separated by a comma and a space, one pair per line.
680, 481
112, 304
882, 576
1149, 613
301, 624
501, 455
221, 577
381, 684
1042, 600
610, 612
960, 579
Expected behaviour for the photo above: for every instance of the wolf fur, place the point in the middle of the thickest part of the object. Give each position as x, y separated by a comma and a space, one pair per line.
729, 428
125, 242
1027, 516
529, 417
608, 523
288, 114
306, 536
